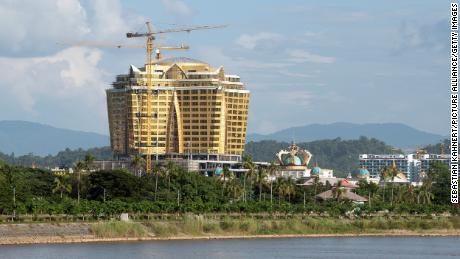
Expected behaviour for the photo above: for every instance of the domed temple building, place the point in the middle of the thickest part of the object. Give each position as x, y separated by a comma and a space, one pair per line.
294, 163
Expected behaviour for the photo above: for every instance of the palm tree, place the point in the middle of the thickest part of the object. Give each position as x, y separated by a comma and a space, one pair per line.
226, 174
371, 189
234, 188
289, 187
280, 187
393, 172
338, 191
159, 170
425, 192
272, 170
62, 185
79, 167
170, 170
409, 194
248, 164
261, 178
89, 161
316, 184
384, 174
138, 162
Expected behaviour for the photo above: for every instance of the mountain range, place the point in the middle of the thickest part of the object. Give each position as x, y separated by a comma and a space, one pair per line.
394, 134
23, 137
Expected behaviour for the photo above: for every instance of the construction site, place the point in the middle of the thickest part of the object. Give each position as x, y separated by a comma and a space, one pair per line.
178, 109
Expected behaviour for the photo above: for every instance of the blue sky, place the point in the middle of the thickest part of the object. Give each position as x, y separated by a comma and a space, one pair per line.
304, 61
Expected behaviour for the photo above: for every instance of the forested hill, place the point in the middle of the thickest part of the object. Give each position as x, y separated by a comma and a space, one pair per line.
66, 157
340, 155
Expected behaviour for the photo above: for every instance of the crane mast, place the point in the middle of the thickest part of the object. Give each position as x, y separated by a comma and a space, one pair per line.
149, 35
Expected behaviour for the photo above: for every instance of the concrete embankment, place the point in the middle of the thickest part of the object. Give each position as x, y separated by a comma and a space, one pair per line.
45, 233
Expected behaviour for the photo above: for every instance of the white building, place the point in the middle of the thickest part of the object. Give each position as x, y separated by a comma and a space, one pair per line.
413, 166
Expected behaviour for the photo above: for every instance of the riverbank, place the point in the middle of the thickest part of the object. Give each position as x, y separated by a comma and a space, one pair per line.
196, 227
93, 239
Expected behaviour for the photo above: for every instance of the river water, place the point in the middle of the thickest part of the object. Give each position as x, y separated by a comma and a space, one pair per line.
346, 247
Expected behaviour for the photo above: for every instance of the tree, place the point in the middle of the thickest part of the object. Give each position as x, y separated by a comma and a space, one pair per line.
316, 184
368, 187
261, 179
426, 196
393, 172
290, 187
251, 169
439, 174
384, 174
234, 188
272, 170
159, 170
62, 185
280, 187
171, 169
409, 194
89, 161
226, 175
79, 167
338, 191
285, 187
137, 162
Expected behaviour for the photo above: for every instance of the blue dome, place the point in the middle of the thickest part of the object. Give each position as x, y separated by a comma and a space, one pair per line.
295, 161
363, 172
315, 171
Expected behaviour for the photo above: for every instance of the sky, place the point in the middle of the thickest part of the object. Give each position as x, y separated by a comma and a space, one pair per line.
304, 61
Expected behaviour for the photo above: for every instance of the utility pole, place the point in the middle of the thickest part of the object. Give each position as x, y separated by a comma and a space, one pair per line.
304, 199
14, 202
178, 198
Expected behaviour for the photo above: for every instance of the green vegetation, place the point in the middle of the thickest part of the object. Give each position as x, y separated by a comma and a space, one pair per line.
118, 229
64, 158
442, 147
199, 225
28, 194
340, 155
263, 224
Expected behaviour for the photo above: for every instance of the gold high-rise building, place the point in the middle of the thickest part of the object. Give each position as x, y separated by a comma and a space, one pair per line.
196, 109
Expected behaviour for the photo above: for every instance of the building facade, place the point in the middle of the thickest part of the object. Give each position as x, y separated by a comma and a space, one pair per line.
413, 166
197, 109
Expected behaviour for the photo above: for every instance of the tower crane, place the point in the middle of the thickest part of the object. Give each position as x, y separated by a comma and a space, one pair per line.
149, 46
125, 46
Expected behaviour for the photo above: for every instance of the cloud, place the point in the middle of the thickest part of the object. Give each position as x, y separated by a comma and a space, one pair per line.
37, 24
107, 21
42, 82
294, 74
299, 97
259, 39
216, 56
71, 73
431, 37
302, 56
177, 8
36, 27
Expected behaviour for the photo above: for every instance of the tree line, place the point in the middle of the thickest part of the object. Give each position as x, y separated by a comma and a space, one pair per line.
337, 154
170, 188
